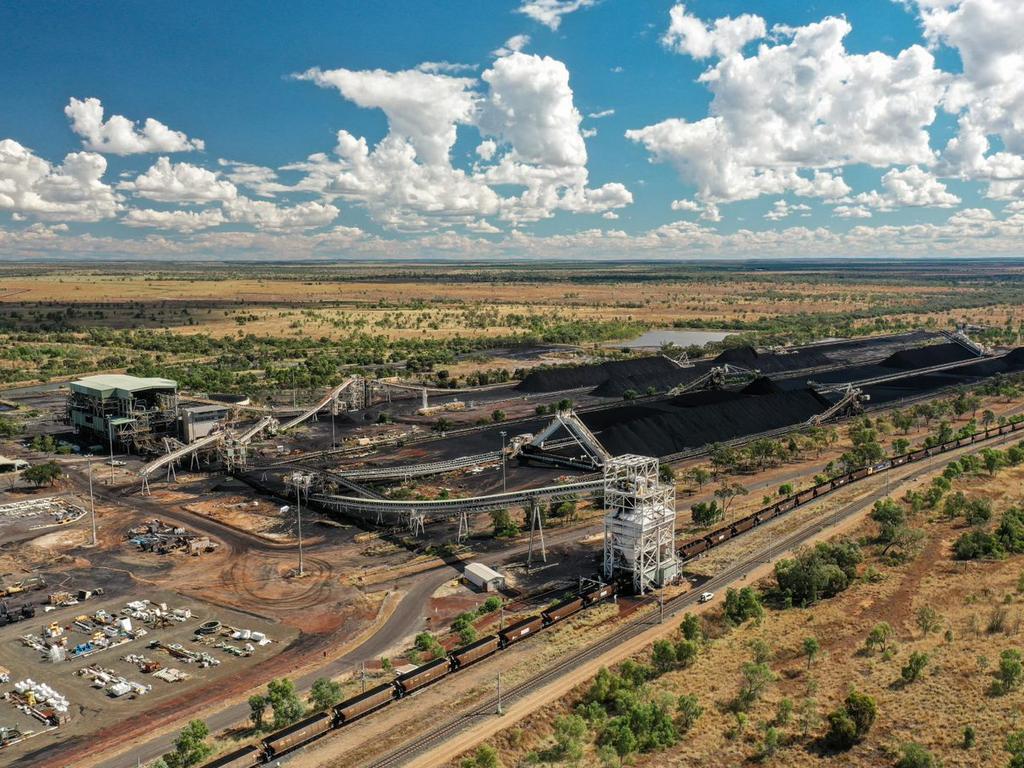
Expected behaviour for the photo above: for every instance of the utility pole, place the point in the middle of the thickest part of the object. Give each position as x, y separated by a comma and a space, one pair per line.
362, 675
661, 607
298, 507
334, 407
500, 712
503, 486
92, 504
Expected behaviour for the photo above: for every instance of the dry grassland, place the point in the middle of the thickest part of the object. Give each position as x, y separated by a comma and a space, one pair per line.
981, 614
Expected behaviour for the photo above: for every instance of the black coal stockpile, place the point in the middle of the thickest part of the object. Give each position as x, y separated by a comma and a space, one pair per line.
620, 385
923, 357
965, 375
577, 377
695, 419
771, 362
904, 360
745, 357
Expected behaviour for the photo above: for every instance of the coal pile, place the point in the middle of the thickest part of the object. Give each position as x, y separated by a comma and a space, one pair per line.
924, 357
619, 386
772, 362
745, 357
577, 377
696, 419
913, 386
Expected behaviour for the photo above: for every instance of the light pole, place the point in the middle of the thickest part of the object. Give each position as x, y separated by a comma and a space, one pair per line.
92, 504
500, 712
503, 485
110, 438
298, 513
334, 407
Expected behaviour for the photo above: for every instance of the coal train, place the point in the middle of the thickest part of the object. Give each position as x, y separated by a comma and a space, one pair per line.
701, 544
312, 727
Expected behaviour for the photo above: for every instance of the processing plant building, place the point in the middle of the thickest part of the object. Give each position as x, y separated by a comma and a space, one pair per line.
131, 412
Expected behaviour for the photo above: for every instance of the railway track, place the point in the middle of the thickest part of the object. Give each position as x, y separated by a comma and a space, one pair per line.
410, 751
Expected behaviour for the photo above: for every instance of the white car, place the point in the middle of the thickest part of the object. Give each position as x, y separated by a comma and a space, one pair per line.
706, 597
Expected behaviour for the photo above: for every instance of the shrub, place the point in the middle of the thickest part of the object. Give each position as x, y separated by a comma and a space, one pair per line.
913, 755
817, 572
914, 667
742, 604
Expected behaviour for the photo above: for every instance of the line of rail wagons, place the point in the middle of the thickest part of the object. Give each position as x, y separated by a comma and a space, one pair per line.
310, 728
701, 544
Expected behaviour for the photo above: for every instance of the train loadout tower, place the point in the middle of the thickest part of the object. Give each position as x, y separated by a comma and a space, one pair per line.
639, 524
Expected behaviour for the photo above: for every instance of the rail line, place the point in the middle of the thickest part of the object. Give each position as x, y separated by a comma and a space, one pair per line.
634, 628
316, 726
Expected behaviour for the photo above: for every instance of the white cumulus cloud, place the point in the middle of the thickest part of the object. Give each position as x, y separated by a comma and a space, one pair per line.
178, 220
72, 191
550, 12
689, 35
120, 136
912, 187
264, 214
168, 182
801, 102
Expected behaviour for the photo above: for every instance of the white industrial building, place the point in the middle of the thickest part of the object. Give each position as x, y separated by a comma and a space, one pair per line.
639, 525
484, 578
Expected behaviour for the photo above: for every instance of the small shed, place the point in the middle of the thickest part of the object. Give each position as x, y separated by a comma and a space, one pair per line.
484, 578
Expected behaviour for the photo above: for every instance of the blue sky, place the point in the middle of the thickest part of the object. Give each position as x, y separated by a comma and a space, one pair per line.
544, 128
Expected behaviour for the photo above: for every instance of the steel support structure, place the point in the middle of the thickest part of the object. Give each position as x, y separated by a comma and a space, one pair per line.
639, 524
536, 526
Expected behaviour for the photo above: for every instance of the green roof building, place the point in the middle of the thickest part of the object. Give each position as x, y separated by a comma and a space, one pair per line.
132, 412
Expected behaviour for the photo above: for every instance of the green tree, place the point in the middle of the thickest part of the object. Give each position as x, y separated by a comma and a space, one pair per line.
706, 513
842, 731
699, 475
755, 678
770, 743
786, 489
889, 516
852, 721
686, 652
570, 731
689, 711
928, 620
663, 656
190, 747
497, 415
1011, 671
504, 525
693, 628
727, 492
324, 693
879, 636
811, 649
915, 665
863, 710
742, 604
257, 708
284, 701
42, 474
